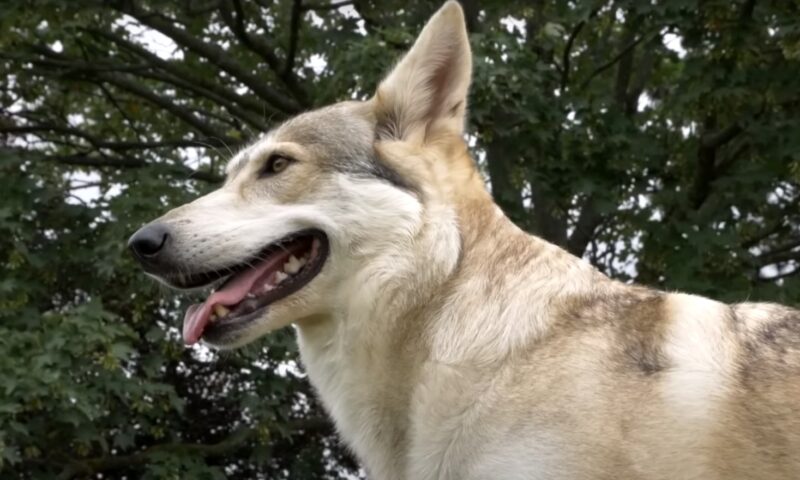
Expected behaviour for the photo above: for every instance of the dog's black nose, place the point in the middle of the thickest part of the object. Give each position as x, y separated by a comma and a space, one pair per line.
149, 241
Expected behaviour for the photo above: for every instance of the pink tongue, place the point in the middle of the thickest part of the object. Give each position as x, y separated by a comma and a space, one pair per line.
233, 292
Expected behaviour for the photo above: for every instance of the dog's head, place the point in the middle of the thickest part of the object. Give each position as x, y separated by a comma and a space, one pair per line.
309, 206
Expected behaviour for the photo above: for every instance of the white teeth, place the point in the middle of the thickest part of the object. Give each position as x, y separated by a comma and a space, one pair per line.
293, 265
250, 295
280, 276
221, 310
212, 317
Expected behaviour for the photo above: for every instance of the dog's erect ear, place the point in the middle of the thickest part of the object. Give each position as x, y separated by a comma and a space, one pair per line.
430, 83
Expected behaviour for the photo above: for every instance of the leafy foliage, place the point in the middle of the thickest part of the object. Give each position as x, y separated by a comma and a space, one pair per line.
659, 140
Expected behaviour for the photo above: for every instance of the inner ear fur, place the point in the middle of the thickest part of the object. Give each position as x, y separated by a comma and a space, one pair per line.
430, 83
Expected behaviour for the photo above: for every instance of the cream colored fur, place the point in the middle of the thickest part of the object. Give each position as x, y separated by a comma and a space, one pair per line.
448, 344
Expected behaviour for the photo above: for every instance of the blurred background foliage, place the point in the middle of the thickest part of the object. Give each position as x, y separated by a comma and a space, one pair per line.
659, 140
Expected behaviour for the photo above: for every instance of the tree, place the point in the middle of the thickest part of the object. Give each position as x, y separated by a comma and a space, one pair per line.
657, 140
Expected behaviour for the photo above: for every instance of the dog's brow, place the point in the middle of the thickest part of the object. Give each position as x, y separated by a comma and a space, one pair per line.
254, 151
236, 164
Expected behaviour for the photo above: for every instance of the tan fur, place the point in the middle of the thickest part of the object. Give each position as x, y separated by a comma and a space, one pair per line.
448, 344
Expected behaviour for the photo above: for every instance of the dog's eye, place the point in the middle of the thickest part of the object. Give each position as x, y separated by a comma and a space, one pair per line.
276, 164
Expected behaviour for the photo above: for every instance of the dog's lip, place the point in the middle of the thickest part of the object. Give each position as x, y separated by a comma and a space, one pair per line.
215, 333
244, 309
251, 309
214, 278
217, 279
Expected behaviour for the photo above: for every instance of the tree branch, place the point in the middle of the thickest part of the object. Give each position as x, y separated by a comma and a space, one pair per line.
294, 34
89, 73
721, 137
640, 76
254, 121
706, 163
610, 63
119, 146
373, 27
257, 45
113, 101
213, 54
261, 47
178, 111
779, 276
625, 65
726, 163
567, 50
84, 160
746, 14
91, 466
506, 193
780, 256
782, 247
547, 222
181, 171
565, 60
237, 439
707, 168
237, 104
327, 6
587, 223
776, 227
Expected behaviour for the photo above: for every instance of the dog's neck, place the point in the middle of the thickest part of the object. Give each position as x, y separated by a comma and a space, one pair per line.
398, 314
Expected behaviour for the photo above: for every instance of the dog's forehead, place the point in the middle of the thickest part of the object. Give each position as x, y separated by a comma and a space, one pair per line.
339, 133
340, 125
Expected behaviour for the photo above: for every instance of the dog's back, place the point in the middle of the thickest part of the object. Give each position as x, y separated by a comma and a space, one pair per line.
573, 375
643, 384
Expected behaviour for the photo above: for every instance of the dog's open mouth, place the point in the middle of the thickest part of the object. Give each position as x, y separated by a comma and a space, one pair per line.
279, 271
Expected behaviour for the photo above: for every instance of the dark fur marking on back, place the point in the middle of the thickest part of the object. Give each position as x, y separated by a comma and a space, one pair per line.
783, 333
642, 333
773, 349
637, 321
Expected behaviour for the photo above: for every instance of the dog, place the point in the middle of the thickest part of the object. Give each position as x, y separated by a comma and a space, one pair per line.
445, 342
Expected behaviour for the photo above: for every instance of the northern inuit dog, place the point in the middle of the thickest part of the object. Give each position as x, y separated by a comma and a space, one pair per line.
445, 342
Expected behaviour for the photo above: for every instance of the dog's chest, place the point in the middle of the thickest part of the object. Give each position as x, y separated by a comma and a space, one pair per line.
361, 396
